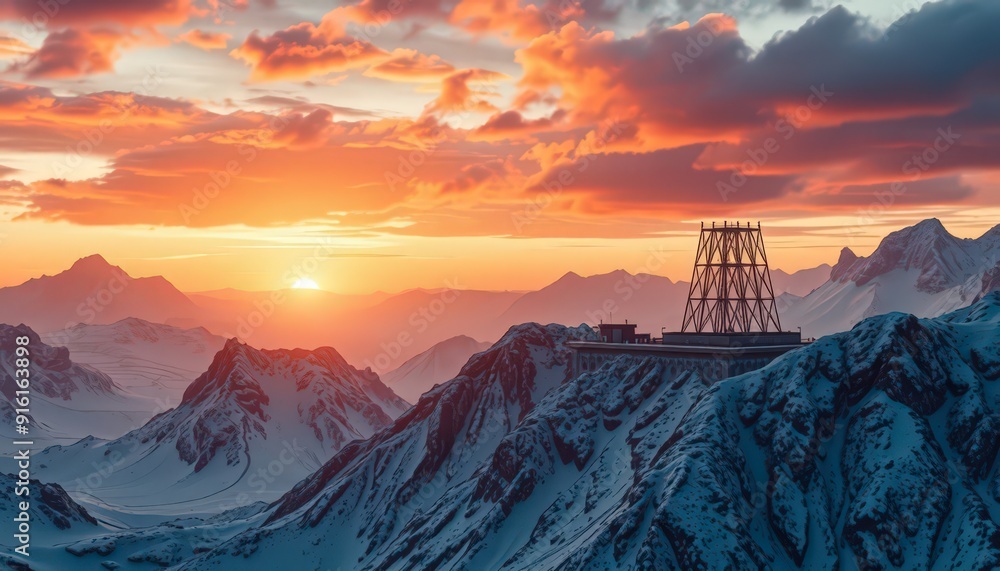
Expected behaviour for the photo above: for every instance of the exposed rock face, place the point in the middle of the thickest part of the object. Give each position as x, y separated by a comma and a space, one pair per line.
49, 503
990, 281
843, 268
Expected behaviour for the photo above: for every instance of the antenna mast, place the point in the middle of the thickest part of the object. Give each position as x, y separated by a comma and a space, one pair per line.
731, 289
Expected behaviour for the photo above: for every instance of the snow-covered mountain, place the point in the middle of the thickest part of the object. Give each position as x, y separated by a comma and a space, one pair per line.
435, 365
249, 427
64, 535
52, 515
366, 494
92, 291
922, 270
870, 449
144, 358
68, 400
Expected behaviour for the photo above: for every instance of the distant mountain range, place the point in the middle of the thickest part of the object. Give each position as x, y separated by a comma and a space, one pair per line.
95, 293
801, 282
922, 269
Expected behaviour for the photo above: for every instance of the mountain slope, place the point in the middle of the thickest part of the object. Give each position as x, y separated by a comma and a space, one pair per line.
921, 269
871, 449
253, 424
68, 400
365, 495
91, 291
435, 365
144, 358
53, 518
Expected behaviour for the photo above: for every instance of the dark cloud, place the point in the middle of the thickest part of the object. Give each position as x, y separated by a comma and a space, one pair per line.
666, 179
97, 12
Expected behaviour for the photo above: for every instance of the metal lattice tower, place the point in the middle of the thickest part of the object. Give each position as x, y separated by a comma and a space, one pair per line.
731, 288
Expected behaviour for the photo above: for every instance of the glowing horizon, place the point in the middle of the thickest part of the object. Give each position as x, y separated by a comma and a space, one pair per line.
383, 147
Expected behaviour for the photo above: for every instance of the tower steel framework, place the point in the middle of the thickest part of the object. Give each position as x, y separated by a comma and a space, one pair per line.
731, 289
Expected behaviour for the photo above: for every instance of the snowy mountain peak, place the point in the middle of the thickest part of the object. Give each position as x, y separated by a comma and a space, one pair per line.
249, 408
941, 259
932, 225
442, 438
992, 232
249, 375
68, 399
928, 233
990, 241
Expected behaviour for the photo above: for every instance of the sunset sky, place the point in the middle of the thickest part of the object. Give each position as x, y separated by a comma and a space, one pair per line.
496, 144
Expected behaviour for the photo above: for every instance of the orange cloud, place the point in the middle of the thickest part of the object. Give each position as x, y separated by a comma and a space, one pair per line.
72, 52
93, 124
205, 40
514, 19
644, 80
86, 36
305, 50
496, 175
410, 65
13, 47
511, 125
458, 95
676, 117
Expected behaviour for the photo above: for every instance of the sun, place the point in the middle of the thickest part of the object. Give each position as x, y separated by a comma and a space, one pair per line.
305, 283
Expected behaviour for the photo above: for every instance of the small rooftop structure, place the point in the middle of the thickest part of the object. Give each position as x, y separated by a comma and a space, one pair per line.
731, 323
622, 333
